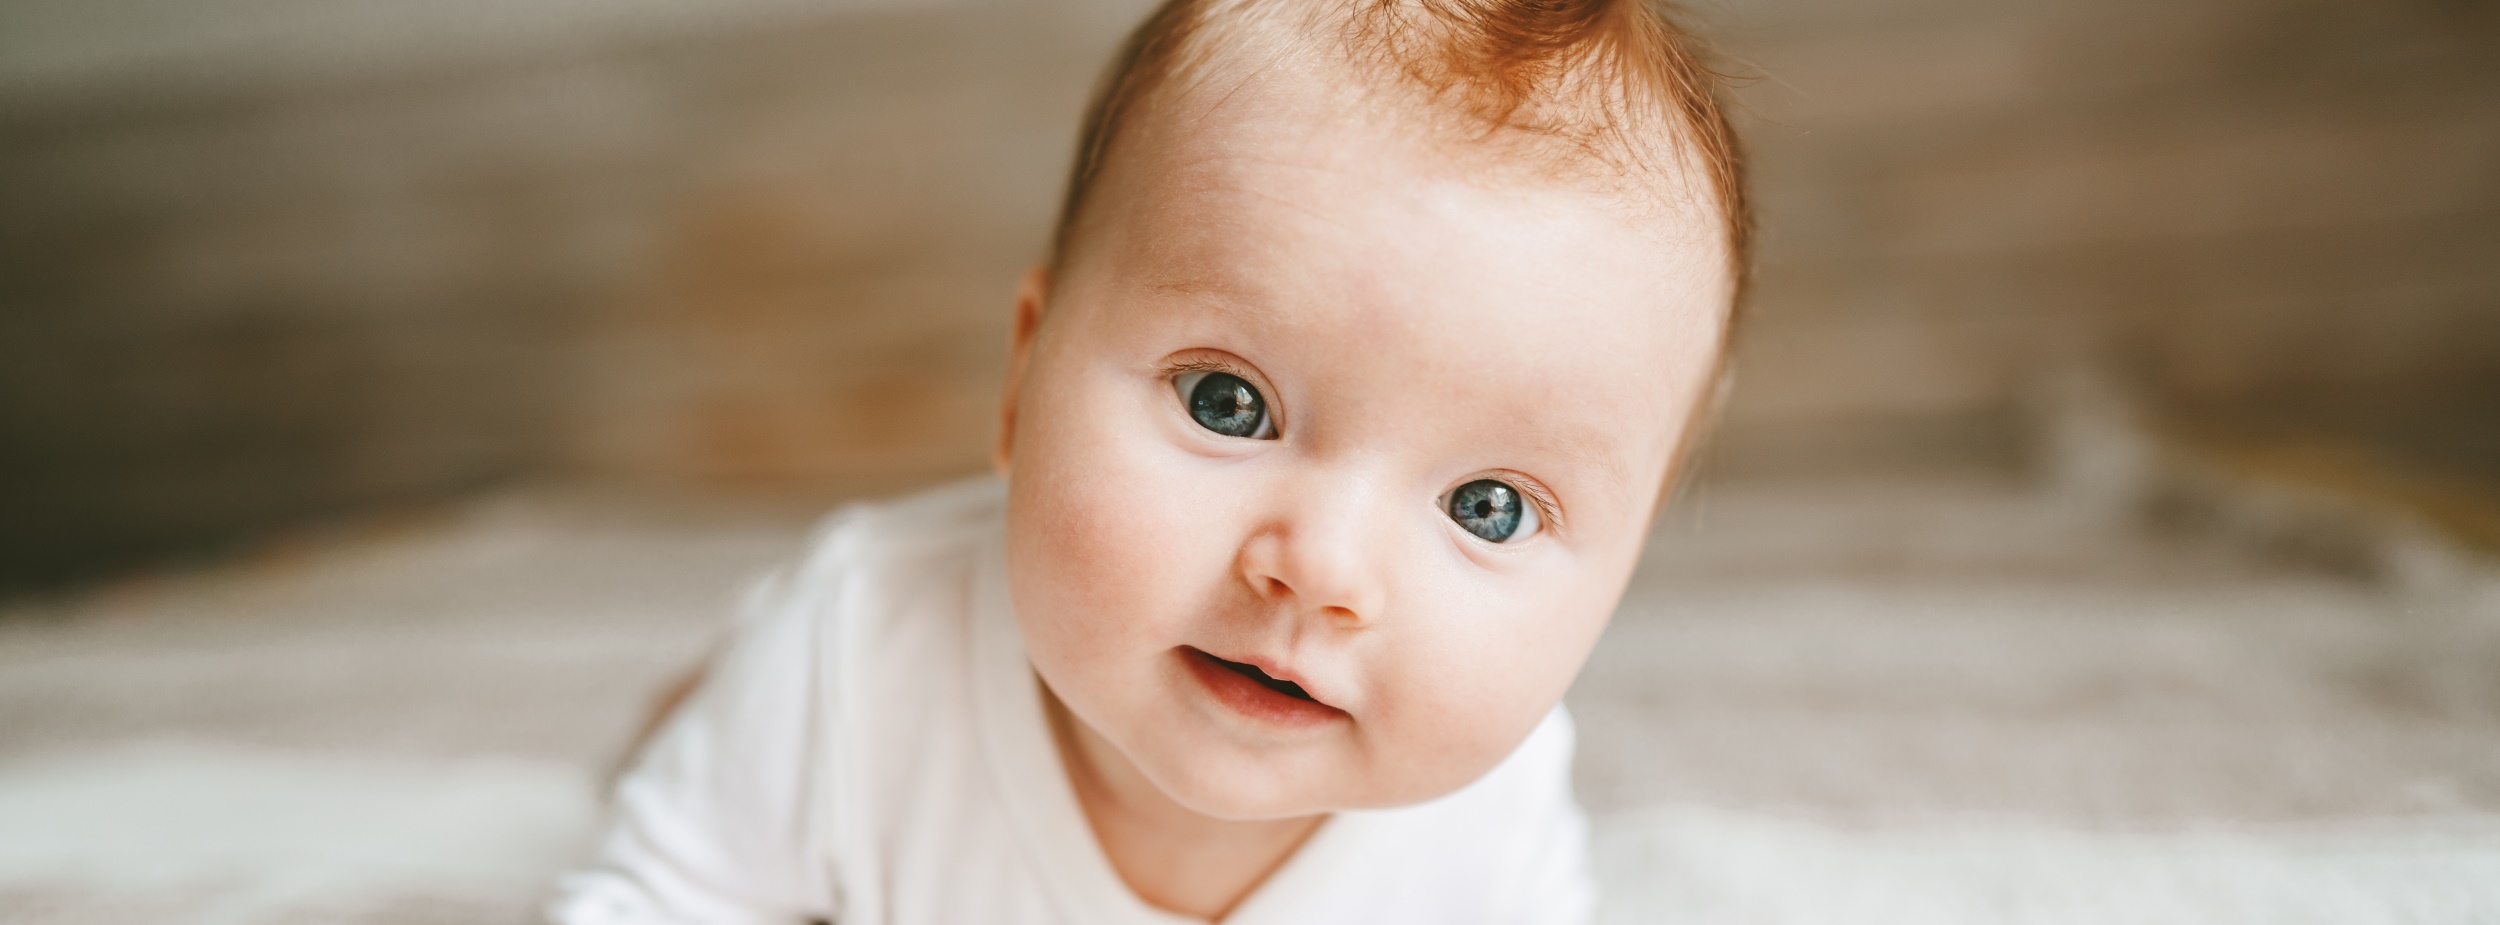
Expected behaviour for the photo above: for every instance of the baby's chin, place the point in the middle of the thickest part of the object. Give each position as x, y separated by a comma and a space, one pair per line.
1234, 782
1250, 790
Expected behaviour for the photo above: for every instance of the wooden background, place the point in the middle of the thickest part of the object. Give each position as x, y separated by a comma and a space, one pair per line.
276, 263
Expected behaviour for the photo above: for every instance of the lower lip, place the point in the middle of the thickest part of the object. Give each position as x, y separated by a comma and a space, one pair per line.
1252, 699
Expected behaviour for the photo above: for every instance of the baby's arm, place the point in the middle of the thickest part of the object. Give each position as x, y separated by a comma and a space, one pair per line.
711, 822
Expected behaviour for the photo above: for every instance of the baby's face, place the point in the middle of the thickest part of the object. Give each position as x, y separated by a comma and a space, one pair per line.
1329, 407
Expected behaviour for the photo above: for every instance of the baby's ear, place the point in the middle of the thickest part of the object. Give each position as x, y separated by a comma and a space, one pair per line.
1032, 291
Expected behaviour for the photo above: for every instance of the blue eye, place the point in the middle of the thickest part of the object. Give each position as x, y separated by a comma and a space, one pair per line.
1225, 403
1492, 510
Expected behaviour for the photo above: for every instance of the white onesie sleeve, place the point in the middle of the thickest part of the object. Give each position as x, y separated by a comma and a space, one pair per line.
711, 824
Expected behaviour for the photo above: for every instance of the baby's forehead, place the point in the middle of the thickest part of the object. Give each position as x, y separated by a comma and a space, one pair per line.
1319, 137
1328, 114
1286, 184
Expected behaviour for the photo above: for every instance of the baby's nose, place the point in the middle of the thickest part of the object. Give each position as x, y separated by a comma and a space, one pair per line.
1319, 556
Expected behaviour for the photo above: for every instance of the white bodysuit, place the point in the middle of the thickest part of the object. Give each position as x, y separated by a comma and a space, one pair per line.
872, 748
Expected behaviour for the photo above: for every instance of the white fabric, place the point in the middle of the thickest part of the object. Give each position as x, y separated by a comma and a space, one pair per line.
872, 748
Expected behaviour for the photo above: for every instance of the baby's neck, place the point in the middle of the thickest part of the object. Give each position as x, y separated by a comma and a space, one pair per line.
1171, 856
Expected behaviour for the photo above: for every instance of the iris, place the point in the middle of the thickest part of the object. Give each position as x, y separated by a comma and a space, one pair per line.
1226, 404
1488, 508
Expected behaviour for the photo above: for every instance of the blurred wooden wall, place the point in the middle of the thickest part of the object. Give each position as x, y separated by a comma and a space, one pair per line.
2263, 217
247, 282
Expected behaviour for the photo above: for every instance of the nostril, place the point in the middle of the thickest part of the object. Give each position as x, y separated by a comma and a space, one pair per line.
1276, 587
1339, 613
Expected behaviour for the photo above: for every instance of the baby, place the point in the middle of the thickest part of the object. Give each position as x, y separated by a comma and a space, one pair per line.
1370, 341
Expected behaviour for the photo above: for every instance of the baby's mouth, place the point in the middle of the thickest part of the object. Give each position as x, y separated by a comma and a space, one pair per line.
1252, 672
1248, 690
1296, 699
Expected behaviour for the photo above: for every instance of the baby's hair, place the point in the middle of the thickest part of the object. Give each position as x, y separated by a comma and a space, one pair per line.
1614, 84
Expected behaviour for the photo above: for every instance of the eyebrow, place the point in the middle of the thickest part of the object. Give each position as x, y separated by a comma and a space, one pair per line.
1580, 449
1204, 293
1181, 286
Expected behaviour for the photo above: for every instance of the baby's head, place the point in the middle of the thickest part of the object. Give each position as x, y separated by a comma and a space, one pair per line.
1372, 336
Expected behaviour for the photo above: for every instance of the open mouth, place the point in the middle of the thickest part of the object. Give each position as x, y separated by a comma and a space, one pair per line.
1252, 672
1250, 691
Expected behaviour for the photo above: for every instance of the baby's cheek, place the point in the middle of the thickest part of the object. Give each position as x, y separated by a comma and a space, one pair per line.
1474, 683
1107, 541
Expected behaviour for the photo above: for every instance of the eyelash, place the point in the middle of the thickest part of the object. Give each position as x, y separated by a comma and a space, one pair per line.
1205, 366
1547, 506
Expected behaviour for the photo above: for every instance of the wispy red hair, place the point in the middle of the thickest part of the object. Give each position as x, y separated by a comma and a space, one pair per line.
1616, 83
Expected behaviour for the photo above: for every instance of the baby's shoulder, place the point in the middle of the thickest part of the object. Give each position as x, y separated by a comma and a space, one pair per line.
874, 561
942, 522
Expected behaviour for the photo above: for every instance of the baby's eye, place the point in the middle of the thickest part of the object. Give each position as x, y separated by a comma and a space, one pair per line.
1492, 510
1225, 403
